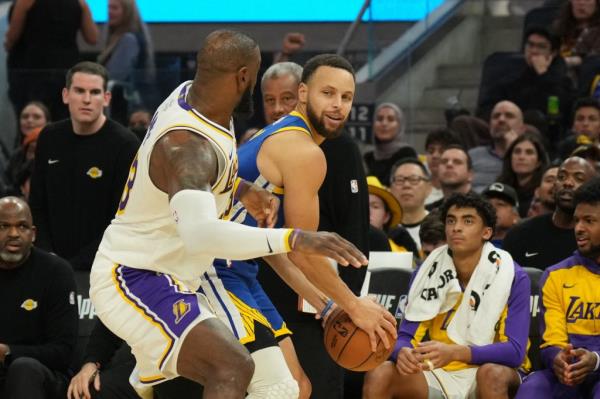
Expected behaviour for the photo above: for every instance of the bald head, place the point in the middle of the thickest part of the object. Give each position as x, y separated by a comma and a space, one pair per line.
506, 116
572, 173
225, 51
15, 204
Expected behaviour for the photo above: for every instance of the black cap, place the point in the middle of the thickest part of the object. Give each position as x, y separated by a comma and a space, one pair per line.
502, 191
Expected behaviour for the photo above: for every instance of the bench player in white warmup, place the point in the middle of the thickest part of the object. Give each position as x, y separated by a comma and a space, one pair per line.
168, 229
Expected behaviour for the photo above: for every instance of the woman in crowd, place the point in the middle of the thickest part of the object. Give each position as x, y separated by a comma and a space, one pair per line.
35, 114
41, 42
578, 27
388, 140
524, 164
128, 53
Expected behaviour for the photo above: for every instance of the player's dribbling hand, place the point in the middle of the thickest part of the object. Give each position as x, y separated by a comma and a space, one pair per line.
375, 321
79, 387
330, 245
407, 363
260, 204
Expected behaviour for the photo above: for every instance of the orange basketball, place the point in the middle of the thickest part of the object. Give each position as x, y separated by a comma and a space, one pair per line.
349, 346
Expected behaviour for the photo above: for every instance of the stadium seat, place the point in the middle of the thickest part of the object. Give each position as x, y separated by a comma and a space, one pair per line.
87, 316
389, 286
534, 308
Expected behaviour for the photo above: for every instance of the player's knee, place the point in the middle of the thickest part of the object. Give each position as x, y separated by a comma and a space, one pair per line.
26, 368
237, 370
284, 389
496, 378
377, 380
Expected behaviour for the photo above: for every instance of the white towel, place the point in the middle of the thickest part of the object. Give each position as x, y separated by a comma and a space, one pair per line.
435, 289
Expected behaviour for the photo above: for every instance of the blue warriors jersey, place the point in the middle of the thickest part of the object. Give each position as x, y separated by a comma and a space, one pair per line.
248, 170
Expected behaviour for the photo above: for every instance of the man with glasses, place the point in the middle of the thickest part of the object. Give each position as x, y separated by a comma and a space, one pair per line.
411, 185
455, 173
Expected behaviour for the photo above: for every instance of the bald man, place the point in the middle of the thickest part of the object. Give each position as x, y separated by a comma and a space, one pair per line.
506, 123
171, 225
38, 330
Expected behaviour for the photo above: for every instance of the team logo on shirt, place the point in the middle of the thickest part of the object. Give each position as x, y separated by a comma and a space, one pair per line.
29, 304
180, 309
94, 172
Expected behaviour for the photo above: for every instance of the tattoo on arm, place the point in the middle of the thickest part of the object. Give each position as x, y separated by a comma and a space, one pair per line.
183, 160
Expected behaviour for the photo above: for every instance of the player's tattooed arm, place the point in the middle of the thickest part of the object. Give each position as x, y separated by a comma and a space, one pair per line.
183, 160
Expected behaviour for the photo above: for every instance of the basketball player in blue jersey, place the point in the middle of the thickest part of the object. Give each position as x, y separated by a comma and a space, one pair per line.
285, 158
169, 228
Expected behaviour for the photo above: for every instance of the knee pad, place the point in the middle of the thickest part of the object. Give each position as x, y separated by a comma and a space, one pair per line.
271, 379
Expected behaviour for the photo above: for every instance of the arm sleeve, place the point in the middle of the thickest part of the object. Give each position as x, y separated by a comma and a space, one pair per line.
60, 323
553, 326
102, 346
123, 58
513, 330
37, 196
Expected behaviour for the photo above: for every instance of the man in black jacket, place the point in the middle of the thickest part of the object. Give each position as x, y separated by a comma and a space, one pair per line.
38, 330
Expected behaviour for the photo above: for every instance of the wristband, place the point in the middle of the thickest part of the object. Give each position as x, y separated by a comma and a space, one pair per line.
597, 361
292, 238
326, 308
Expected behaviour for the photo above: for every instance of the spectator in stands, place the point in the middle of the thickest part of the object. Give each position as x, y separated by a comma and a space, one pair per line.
411, 185
524, 164
20, 165
585, 129
435, 142
41, 44
279, 87
456, 362
543, 197
578, 27
38, 331
506, 203
455, 173
388, 140
128, 55
432, 232
545, 240
293, 43
81, 165
506, 124
138, 123
34, 114
569, 295
471, 131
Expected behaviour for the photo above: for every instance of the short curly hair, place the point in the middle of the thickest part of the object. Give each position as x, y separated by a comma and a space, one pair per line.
588, 193
471, 200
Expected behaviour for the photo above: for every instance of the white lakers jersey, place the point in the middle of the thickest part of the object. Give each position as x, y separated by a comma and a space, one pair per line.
143, 234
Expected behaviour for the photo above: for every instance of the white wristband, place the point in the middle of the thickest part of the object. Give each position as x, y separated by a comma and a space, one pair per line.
202, 233
597, 361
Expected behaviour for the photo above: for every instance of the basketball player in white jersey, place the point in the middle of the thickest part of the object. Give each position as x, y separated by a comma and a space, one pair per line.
168, 230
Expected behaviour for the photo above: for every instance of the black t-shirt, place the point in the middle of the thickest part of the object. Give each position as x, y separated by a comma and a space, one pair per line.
538, 243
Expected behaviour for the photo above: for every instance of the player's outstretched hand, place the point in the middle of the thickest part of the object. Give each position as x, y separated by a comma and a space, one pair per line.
327, 244
260, 204
79, 388
371, 317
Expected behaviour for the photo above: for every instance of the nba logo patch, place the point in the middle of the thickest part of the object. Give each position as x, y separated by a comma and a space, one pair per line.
353, 186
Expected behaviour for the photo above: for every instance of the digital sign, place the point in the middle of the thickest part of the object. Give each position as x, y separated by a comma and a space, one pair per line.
248, 11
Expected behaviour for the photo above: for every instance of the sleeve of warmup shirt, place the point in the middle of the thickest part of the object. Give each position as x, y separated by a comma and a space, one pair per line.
553, 324
514, 328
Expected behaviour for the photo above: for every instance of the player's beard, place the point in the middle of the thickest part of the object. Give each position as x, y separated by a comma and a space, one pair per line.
592, 253
245, 108
319, 124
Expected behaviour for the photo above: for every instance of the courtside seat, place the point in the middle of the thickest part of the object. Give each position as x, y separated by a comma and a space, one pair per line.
534, 308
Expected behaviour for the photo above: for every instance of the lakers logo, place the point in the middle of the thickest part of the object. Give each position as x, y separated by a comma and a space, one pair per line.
94, 172
180, 309
29, 304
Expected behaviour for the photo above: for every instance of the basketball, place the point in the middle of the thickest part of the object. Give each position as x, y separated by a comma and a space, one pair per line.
349, 346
